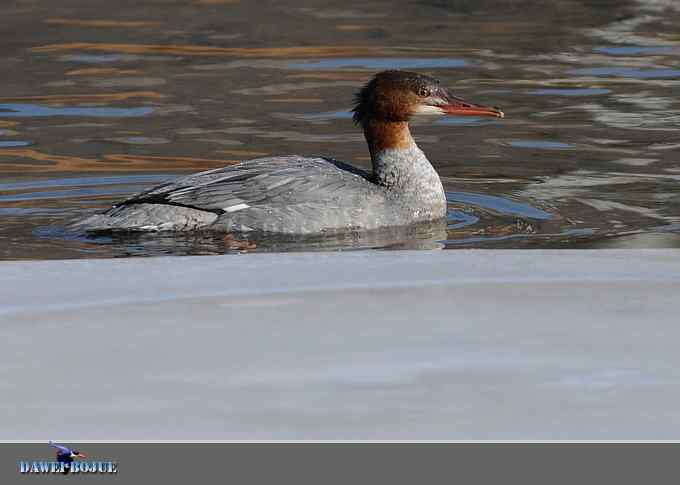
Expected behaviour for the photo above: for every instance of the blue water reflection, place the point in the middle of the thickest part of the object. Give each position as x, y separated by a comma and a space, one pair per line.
86, 181
637, 50
36, 110
65, 194
465, 121
630, 72
499, 205
540, 144
13, 143
457, 219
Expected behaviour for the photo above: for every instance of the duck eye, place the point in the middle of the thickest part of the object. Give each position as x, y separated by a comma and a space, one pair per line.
424, 92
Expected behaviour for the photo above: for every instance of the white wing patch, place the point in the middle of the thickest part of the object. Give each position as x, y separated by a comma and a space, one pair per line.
237, 207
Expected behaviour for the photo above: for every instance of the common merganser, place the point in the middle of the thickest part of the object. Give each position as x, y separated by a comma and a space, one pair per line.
301, 195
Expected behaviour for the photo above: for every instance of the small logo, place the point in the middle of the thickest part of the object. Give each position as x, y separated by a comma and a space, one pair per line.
68, 461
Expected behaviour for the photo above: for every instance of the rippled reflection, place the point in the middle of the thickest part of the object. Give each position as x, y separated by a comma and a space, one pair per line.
34, 110
377, 64
100, 101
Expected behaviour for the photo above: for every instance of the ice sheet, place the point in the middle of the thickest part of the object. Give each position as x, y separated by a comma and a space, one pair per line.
358, 345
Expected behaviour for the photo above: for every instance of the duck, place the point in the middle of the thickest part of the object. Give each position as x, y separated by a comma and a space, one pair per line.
298, 195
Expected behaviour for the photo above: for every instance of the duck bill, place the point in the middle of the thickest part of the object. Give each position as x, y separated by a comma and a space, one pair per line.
473, 110
458, 107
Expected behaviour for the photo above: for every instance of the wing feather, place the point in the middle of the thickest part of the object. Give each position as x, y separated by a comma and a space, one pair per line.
263, 181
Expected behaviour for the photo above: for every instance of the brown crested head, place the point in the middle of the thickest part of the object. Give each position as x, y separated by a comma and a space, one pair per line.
396, 96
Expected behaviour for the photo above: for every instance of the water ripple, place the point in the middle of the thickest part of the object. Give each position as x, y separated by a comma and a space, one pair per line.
499, 204
570, 92
376, 63
35, 110
658, 73
13, 143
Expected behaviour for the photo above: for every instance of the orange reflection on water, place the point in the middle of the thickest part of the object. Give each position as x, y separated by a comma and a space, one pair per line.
352, 28
85, 98
103, 23
202, 50
146, 162
101, 71
332, 76
124, 162
60, 162
294, 100
215, 2
8, 124
245, 153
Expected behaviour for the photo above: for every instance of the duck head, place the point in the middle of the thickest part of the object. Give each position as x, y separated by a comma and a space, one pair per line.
396, 96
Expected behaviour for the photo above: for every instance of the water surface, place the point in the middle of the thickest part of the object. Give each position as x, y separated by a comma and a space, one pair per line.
100, 101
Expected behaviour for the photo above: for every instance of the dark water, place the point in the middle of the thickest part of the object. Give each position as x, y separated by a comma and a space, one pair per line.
101, 99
